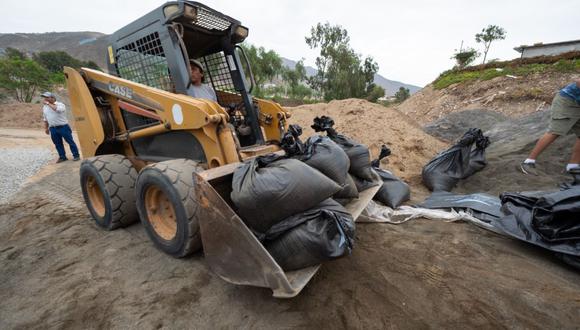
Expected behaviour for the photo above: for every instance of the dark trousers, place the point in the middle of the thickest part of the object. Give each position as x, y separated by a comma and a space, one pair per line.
57, 134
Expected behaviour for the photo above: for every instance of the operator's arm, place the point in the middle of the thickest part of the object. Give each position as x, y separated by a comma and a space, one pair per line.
578, 83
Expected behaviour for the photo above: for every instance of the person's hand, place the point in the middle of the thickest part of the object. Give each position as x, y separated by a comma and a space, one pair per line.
46, 131
46, 102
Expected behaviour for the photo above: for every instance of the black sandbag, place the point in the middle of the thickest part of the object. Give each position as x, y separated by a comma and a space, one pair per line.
267, 189
362, 184
291, 142
444, 171
322, 233
393, 191
348, 190
359, 155
477, 159
518, 212
326, 156
385, 152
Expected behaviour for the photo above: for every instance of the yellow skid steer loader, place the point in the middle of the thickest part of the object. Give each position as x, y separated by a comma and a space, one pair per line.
155, 152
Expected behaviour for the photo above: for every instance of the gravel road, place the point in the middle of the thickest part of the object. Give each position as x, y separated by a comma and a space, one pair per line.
18, 164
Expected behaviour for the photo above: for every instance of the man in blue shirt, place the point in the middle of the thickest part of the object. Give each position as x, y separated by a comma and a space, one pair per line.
565, 120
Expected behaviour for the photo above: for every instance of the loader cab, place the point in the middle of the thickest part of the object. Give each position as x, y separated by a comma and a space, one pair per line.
155, 51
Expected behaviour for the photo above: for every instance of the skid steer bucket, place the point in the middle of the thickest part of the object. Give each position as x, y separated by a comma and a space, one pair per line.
231, 249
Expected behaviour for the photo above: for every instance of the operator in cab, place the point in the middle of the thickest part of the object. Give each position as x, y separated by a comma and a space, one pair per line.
198, 89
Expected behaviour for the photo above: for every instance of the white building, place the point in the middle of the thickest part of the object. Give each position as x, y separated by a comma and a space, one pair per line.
541, 49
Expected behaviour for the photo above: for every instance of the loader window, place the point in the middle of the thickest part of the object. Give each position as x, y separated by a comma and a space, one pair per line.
219, 76
144, 61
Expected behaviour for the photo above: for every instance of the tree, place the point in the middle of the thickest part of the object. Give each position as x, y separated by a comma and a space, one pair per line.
266, 65
375, 93
14, 54
294, 78
465, 57
489, 34
23, 78
402, 94
341, 71
55, 61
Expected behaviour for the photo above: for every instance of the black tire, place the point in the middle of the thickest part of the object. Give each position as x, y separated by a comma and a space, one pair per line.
167, 206
108, 186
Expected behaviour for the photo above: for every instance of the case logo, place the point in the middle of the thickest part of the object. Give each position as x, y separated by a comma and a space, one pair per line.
121, 90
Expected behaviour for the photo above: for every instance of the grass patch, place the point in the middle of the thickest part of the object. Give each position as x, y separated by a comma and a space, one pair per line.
451, 77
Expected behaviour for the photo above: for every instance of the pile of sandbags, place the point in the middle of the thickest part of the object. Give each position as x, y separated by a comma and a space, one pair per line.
360, 169
458, 162
287, 201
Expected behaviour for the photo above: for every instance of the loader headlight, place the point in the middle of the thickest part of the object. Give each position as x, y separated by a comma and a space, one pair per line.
241, 32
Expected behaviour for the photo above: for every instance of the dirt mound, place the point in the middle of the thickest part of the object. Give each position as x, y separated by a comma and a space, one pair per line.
511, 142
21, 115
512, 97
454, 125
375, 125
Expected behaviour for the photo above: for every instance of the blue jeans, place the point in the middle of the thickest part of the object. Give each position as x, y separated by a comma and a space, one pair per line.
58, 133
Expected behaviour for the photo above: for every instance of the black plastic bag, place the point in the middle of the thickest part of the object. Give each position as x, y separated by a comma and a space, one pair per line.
348, 190
359, 155
385, 152
394, 191
268, 189
477, 159
444, 171
326, 156
322, 233
362, 184
291, 142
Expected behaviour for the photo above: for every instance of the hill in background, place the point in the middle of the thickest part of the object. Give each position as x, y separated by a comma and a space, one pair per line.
91, 46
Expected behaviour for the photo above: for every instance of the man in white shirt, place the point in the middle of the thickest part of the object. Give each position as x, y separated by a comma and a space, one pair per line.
56, 124
198, 88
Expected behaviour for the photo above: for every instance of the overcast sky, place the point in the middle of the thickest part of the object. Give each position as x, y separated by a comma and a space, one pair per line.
412, 41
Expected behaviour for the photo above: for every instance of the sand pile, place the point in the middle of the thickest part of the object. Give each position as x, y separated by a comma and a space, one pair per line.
21, 115
375, 125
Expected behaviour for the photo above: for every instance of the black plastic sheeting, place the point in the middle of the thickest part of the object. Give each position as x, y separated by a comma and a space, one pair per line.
458, 162
550, 220
482, 206
320, 234
268, 189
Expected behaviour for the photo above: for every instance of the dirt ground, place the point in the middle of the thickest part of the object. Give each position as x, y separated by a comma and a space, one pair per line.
59, 270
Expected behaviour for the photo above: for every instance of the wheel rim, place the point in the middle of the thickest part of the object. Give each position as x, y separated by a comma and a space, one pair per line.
96, 196
160, 213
